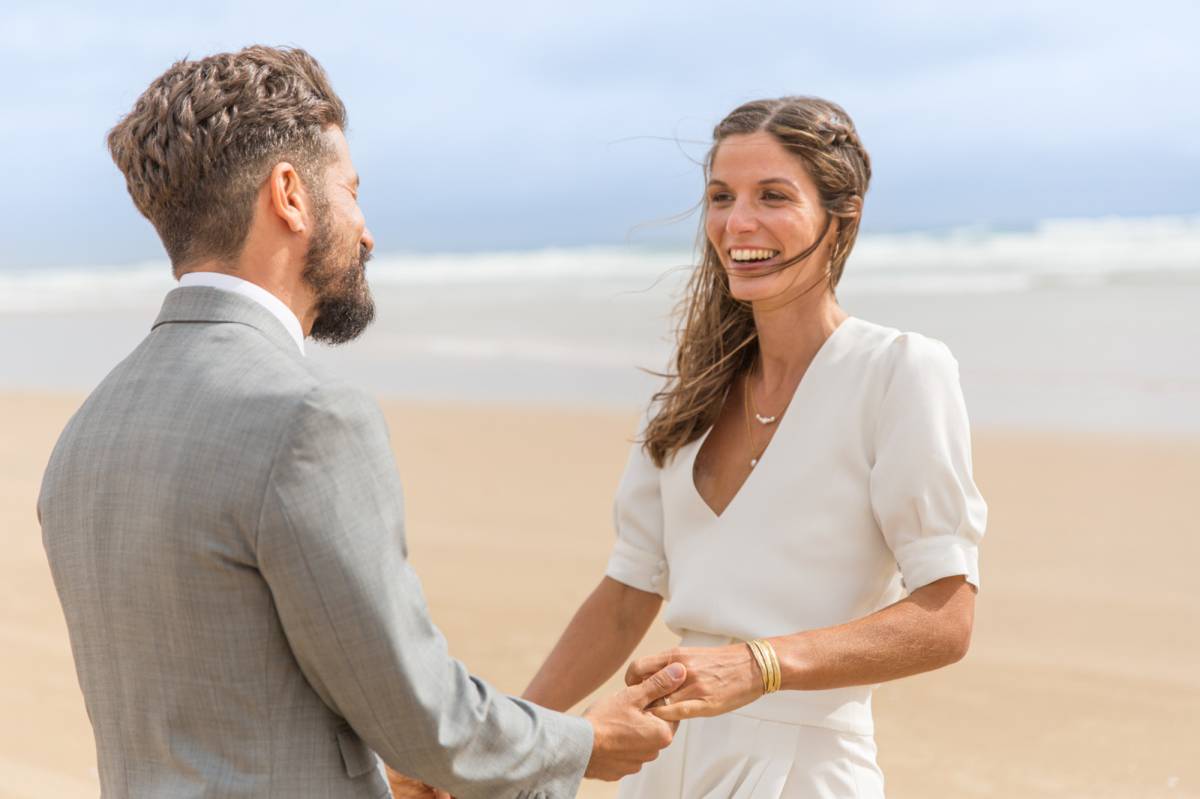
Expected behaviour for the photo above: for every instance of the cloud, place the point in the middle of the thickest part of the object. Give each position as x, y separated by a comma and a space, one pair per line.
556, 123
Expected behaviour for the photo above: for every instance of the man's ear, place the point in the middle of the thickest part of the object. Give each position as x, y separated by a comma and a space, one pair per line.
288, 199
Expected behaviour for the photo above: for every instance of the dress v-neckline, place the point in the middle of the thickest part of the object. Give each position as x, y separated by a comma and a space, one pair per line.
698, 444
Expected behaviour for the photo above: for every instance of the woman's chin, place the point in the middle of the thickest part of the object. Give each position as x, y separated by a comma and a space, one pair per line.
747, 288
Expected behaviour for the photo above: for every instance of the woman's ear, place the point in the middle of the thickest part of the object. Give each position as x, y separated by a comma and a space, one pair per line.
848, 213
852, 207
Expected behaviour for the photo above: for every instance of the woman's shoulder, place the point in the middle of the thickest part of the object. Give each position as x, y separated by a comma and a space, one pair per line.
890, 349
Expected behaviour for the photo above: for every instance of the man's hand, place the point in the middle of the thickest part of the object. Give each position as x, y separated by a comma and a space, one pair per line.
626, 735
406, 788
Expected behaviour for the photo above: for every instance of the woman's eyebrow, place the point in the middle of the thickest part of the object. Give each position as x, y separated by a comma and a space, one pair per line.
763, 182
785, 181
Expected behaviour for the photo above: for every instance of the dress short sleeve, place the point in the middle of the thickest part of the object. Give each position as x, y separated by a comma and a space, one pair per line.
923, 494
638, 559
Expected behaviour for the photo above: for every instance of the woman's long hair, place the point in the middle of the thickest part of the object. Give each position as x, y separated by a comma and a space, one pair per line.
717, 338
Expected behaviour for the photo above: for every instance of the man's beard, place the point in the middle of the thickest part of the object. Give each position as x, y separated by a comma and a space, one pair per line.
344, 303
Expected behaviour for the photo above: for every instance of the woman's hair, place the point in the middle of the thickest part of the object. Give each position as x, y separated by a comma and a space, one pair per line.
718, 338
204, 135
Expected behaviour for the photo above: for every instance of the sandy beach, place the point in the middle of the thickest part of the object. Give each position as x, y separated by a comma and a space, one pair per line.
1083, 679
548, 196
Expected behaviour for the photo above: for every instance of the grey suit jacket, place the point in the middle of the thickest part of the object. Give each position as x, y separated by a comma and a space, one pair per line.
225, 530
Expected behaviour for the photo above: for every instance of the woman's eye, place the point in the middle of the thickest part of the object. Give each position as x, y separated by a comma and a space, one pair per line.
774, 196
720, 197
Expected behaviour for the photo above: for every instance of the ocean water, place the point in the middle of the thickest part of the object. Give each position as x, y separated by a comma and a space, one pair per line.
1054, 253
1074, 324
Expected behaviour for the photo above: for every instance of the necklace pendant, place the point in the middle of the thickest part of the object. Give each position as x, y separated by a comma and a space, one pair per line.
765, 420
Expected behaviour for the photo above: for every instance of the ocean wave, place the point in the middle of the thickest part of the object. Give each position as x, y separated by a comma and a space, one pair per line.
1054, 253
1106, 246
84, 287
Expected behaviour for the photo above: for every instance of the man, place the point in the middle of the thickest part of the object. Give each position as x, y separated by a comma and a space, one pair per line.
224, 524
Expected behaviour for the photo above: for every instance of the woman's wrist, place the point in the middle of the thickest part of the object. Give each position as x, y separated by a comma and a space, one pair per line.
796, 661
560, 696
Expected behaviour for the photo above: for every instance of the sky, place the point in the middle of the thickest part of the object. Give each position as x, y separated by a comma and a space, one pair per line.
493, 126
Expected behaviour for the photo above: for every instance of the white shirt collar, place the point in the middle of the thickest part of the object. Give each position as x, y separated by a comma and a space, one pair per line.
220, 280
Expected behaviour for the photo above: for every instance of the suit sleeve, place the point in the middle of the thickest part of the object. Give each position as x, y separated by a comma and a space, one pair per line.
331, 547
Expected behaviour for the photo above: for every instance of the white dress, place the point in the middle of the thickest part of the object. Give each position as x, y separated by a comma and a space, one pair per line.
864, 492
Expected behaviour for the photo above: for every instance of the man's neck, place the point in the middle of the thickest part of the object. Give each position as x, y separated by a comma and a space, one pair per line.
284, 284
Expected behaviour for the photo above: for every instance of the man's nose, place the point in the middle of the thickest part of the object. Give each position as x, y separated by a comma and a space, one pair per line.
368, 240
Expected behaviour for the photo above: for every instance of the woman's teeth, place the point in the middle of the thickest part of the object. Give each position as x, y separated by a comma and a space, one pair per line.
752, 255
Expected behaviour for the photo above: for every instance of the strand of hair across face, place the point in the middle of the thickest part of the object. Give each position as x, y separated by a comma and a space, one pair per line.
802, 256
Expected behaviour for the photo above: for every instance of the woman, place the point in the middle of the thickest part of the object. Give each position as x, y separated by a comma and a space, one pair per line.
800, 473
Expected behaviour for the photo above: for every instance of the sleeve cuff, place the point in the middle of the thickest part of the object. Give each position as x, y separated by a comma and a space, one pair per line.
572, 752
928, 559
638, 569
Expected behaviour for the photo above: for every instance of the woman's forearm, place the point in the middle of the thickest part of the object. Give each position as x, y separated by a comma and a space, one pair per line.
929, 629
597, 641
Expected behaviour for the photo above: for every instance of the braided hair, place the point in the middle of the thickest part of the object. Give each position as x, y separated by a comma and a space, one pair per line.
204, 135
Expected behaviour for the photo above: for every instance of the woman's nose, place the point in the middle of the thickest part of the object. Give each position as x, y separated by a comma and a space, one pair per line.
741, 219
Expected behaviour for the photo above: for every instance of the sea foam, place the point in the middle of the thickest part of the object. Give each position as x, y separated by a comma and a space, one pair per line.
1054, 253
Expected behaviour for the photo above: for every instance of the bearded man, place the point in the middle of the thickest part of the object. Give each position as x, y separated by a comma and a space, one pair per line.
224, 523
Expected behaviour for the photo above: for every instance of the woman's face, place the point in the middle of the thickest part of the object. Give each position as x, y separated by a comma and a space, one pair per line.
762, 209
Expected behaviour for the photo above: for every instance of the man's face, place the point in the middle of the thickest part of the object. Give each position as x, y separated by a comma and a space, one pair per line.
335, 265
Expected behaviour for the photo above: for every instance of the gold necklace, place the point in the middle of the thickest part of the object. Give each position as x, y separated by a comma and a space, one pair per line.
749, 428
763, 420
748, 404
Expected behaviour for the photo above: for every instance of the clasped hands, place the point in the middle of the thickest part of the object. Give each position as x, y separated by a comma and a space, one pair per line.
717, 680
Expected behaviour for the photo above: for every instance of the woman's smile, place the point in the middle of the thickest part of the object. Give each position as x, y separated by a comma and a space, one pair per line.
749, 260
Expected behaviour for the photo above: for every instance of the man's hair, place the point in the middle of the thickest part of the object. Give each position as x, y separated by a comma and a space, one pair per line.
203, 137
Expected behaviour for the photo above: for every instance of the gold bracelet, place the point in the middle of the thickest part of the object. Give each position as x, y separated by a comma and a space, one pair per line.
768, 662
761, 660
776, 668
772, 669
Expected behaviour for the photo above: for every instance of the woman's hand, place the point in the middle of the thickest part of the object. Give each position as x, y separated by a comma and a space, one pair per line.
719, 679
407, 788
